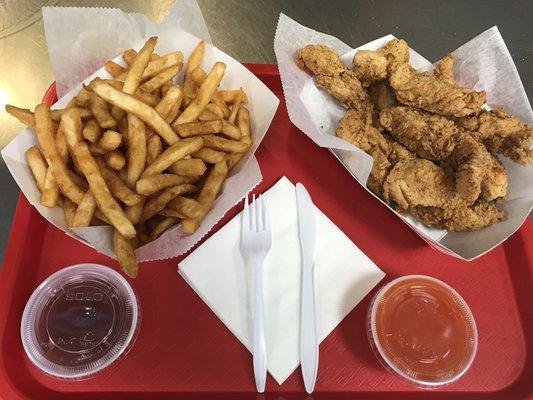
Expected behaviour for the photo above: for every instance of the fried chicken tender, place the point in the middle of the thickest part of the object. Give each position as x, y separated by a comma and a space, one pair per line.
418, 182
424, 90
461, 218
444, 69
438, 138
372, 66
356, 128
429, 136
503, 134
333, 76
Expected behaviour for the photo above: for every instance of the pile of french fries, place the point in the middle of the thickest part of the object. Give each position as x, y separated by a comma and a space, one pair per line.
140, 152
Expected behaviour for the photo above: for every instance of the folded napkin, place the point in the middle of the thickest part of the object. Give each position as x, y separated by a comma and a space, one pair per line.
218, 273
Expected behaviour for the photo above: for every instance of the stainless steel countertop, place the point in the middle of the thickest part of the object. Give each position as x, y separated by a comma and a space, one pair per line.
245, 30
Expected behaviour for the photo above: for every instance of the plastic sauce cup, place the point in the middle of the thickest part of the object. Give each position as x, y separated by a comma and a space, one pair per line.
422, 329
79, 321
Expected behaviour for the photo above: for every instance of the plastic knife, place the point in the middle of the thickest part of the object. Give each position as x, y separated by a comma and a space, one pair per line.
308, 334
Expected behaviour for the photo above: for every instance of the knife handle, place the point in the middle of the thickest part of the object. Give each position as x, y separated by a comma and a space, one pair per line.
259, 345
308, 333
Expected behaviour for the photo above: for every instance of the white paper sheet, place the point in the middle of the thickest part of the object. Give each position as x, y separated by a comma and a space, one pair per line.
218, 273
262, 105
483, 63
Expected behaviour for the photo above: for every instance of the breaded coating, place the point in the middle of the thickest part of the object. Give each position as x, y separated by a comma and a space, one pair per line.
417, 182
320, 60
444, 69
471, 161
494, 184
437, 138
372, 66
461, 218
381, 97
424, 90
357, 129
333, 76
503, 134
396, 50
429, 136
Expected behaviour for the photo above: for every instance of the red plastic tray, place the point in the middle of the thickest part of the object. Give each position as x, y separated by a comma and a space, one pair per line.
184, 352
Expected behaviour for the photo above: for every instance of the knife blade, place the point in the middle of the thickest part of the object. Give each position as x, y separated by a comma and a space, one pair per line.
308, 332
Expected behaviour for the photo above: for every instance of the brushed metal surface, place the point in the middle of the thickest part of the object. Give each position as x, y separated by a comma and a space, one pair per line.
245, 30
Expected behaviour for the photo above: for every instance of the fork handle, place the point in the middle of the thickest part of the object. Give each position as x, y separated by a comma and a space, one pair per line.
259, 345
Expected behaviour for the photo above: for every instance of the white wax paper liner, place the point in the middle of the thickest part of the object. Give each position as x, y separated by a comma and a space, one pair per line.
483, 63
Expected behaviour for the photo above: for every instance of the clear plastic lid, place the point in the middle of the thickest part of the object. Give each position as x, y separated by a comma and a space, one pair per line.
79, 321
423, 330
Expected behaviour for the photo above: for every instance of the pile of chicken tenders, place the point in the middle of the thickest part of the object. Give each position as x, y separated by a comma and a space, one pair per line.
433, 143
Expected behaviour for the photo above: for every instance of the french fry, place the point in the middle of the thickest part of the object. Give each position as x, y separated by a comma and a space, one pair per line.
129, 56
110, 140
195, 59
132, 105
243, 121
207, 115
229, 96
69, 209
168, 60
109, 206
37, 166
113, 68
191, 167
174, 153
198, 128
156, 204
154, 147
203, 94
118, 188
50, 192
136, 149
61, 143
230, 130
45, 136
199, 76
210, 156
170, 104
91, 131
226, 145
134, 75
115, 159
71, 127
215, 109
164, 89
160, 79
101, 113
207, 195
124, 251
163, 226
85, 114
188, 207
22, 114
134, 212
82, 98
235, 107
154, 183
170, 212
85, 211
152, 99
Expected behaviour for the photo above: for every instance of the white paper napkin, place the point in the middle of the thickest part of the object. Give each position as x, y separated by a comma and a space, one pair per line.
218, 273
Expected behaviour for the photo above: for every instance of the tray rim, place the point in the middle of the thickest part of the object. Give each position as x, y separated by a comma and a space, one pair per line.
24, 212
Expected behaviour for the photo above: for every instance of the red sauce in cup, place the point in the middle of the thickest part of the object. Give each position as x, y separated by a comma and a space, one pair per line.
423, 330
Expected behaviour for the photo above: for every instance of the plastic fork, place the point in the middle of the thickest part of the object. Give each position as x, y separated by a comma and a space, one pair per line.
256, 240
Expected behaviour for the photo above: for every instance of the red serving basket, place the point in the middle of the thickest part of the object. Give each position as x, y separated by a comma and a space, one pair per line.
184, 352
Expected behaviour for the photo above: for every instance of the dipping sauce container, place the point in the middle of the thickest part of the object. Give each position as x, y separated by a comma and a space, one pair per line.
422, 329
79, 321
